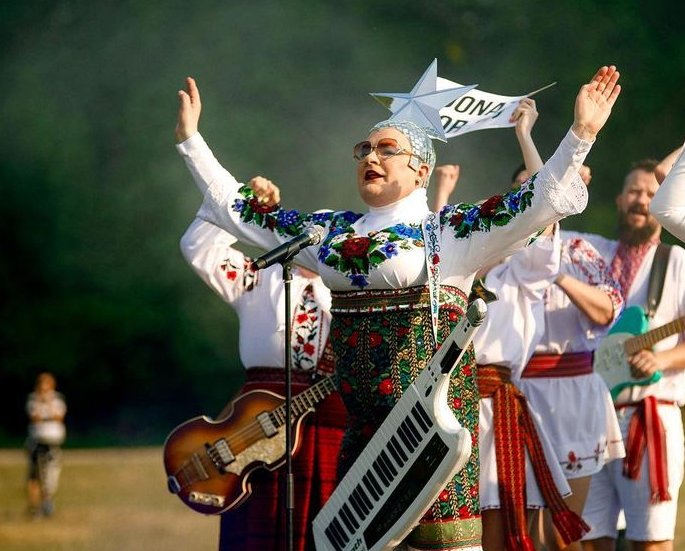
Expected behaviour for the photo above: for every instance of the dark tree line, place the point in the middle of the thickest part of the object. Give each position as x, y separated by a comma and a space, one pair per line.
94, 197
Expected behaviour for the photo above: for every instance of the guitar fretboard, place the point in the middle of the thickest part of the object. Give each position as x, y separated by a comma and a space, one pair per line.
648, 339
305, 400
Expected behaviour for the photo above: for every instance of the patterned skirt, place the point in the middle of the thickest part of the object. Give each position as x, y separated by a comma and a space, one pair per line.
259, 523
381, 341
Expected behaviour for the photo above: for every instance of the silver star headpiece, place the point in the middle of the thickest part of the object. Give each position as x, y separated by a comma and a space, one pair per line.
422, 105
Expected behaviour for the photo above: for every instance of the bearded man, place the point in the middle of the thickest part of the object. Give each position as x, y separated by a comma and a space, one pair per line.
646, 484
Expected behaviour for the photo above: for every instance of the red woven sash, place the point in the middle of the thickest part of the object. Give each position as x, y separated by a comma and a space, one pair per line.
514, 429
559, 365
646, 432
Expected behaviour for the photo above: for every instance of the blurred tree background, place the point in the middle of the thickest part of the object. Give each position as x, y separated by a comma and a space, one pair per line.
95, 198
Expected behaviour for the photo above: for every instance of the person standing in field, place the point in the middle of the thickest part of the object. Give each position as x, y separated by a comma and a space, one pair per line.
46, 409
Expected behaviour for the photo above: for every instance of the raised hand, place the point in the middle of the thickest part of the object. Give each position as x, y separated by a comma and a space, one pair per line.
524, 116
594, 103
266, 192
189, 109
446, 177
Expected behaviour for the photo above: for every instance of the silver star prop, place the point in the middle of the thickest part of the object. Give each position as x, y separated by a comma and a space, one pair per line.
422, 105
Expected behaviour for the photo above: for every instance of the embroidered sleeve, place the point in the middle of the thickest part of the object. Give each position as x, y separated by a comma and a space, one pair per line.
234, 208
209, 251
584, 262
480, 234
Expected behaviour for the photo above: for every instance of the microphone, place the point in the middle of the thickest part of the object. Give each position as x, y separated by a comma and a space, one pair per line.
311, 236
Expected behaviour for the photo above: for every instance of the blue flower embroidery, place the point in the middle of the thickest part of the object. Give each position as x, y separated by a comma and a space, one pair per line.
287, 217
358, 280
389, 249
407, 231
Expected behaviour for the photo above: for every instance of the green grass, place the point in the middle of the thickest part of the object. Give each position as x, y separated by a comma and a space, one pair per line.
114, 499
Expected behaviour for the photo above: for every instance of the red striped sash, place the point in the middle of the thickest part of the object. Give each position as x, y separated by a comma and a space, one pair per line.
646, 432
514, 429
559, 365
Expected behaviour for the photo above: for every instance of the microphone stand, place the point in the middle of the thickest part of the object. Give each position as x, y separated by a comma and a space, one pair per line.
290, 481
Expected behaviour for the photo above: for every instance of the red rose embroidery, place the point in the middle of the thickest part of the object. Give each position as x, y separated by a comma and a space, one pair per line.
572, 457
464, 512
467, 370
232, 275
301, 318
444, 496
308, 349
385, 387
261, 208
453, 316
457, 219
352, 339
436, 258
489, 207
456, 403
355, 247
375, 339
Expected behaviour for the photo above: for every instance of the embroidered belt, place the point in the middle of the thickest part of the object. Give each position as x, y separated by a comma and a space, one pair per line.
391, 300
646, 433
559, 365
514, 429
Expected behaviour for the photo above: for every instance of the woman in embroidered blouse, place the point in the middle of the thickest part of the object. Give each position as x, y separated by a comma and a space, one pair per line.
377, 261
668, 204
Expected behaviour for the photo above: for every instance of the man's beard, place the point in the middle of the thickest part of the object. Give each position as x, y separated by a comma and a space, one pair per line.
636, 236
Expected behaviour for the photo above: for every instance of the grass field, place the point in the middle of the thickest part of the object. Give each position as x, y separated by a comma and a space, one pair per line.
115, 500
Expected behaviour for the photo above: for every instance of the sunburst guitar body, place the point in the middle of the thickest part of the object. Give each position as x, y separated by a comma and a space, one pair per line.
208, 463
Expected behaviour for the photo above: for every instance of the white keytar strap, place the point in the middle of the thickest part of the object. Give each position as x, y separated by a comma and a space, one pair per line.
432, 240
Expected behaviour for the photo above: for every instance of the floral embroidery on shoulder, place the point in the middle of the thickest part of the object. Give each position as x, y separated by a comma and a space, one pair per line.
355, 256
586, 258
498, 210
232, 271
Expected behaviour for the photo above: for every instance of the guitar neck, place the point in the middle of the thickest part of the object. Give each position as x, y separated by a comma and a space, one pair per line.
305, 400
648, 339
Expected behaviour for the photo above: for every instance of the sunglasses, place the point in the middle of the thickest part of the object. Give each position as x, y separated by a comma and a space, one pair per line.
385, 148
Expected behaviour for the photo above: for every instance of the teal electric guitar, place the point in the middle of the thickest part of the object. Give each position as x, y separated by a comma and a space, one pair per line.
628, 336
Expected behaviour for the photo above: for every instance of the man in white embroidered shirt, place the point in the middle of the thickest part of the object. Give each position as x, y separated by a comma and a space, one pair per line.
646, 484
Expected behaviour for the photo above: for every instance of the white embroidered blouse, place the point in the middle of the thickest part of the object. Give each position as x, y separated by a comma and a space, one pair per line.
258, 297
383, 248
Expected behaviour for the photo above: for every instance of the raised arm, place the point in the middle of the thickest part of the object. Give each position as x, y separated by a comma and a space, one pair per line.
227, 203
479, 234
668, 204
666, 164
525, 116
446, 178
